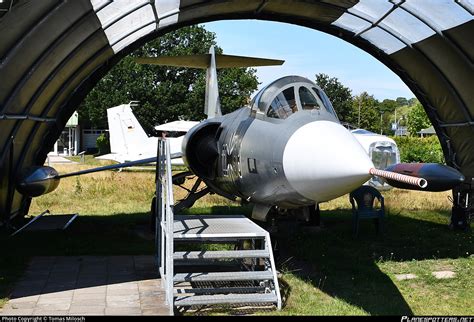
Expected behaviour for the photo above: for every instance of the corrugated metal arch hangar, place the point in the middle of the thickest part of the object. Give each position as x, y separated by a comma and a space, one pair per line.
52, 52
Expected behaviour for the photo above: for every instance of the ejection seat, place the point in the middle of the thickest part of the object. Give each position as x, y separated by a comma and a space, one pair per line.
362, 200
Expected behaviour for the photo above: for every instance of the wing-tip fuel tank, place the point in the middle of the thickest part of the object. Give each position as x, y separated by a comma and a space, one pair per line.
37, 181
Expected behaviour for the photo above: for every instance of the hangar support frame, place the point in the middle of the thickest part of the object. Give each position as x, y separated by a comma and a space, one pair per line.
53, 52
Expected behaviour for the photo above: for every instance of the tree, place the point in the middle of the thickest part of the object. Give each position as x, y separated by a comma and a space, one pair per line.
417, 119
339, 95
166, 93
401, 101
388, 106
412, 101
369, 112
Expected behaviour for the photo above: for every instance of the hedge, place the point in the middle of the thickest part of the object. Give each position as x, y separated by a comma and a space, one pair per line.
416, 149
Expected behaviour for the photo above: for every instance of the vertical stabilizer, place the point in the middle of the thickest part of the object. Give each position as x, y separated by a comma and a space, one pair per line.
211, 62
212, 102
126, 134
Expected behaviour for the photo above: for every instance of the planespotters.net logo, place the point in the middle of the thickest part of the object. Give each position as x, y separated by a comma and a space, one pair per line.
437, 319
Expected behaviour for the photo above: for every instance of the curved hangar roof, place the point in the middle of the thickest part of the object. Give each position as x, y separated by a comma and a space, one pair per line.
52, 52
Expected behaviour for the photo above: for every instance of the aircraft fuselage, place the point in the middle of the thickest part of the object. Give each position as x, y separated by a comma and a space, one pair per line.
302, 159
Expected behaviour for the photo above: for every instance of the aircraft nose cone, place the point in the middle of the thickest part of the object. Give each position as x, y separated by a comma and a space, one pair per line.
322, 160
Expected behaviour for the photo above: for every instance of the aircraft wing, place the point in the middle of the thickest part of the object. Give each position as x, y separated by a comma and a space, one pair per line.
122, 158
176, 126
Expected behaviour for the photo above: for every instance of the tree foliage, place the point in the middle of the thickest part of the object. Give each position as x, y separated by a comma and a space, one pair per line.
417, 119
103, 144
339, 95
166, 93
369, 112
412, 101
415, 149
388, 105
402, 101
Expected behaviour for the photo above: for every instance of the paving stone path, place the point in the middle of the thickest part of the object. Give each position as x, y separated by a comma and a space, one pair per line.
88, 285
438, 275
402, 277
444, 274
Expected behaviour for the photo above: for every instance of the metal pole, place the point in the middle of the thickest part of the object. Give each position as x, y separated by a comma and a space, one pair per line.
358, 122
69, 148
30, 222
11, 189
77, 135
157, 209
381, 122
170, 219
162, 209
396, 121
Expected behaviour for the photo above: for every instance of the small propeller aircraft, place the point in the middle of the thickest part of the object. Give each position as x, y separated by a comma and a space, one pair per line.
285, 151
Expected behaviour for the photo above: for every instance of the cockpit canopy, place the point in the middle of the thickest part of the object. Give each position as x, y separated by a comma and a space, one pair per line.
289, 95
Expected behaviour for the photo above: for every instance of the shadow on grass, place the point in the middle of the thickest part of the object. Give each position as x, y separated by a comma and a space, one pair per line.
346, 267
334, 261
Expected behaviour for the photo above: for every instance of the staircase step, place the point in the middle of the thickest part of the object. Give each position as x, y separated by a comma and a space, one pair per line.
226, 299
223, 276
224, 266
216, 226
219, 290
196, 255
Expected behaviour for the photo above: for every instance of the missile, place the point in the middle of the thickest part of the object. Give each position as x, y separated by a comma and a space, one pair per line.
431, 176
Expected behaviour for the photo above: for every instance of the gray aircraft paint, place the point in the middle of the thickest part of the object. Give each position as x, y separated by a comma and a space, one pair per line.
251, 146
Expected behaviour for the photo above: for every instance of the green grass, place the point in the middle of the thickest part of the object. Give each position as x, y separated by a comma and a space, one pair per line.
326, 272
90, 160
357, 275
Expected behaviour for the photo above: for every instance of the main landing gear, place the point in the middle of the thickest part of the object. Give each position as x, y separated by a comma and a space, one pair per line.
195, 193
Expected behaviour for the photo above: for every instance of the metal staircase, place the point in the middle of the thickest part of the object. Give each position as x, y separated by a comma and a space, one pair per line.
192, 275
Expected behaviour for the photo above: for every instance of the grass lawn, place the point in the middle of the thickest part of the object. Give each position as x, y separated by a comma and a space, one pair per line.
325, 272
357, 275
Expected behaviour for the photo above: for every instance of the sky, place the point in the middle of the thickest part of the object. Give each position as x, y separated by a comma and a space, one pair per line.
307, 52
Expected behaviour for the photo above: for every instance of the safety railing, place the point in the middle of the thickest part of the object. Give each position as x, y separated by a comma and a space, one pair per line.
165, 219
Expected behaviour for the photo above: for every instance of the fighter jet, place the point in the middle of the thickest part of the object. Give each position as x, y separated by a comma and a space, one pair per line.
285, 151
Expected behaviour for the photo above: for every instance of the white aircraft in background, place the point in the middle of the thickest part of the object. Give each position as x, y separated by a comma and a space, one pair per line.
382, 150
129, 142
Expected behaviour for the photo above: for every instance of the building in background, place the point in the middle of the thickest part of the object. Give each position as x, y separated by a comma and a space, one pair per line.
73, 141
427, 132
399, 130
68, 142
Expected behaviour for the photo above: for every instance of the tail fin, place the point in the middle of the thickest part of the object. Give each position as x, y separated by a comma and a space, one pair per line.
212, 103
211, 62
126, 134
